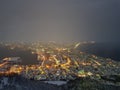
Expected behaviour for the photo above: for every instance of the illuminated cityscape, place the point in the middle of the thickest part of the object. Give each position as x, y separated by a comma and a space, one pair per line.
59, 44
58, 62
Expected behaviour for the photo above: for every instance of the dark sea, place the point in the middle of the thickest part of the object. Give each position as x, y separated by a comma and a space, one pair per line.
26, 56
106, 50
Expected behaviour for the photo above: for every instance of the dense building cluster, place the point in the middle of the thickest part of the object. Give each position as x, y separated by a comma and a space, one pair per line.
60, 62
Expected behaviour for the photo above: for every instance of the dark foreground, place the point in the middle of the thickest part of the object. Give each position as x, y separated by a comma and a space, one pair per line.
20, 83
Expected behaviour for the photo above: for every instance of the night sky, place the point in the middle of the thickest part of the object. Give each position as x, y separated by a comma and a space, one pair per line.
60, 20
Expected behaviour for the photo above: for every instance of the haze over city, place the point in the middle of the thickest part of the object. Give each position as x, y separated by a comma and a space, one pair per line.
60, 20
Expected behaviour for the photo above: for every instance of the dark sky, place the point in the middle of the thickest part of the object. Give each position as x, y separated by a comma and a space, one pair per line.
60, 20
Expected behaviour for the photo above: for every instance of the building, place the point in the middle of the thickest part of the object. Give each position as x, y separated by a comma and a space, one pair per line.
12, 59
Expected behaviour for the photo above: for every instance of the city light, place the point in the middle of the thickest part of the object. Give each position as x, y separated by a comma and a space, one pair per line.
57, 62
